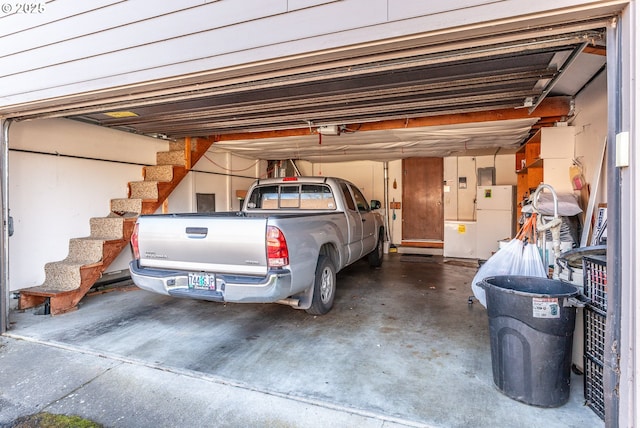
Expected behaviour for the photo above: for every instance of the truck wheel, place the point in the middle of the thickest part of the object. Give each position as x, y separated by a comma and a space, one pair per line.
324, 287
375, 257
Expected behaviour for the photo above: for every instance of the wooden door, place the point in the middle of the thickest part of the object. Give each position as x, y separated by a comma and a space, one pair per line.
422, 200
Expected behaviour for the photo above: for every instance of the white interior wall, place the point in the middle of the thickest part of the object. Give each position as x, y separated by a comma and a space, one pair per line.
305, 167
459, 204
591, 131
367, 175
52, 197
451, 203
395, 195
459, 200
220, 173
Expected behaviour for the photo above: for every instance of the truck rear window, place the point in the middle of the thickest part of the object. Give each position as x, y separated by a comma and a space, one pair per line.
292, 196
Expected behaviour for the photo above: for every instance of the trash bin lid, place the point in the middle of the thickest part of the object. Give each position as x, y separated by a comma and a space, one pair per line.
573, 257
531, 286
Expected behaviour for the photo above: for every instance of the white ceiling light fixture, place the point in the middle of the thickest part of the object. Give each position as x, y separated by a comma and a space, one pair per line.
328, 130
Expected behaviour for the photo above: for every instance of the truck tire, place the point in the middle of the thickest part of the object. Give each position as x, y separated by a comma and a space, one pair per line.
324, 287
375, 257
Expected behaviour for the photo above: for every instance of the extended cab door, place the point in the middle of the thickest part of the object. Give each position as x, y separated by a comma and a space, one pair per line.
354, 241
367, 220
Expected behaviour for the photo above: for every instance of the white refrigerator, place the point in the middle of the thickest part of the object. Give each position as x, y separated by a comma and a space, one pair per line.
495, 218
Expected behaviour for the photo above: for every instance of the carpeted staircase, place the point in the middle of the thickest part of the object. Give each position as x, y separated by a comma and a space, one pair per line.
68, 281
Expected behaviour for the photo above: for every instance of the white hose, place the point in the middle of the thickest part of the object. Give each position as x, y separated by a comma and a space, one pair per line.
553, 225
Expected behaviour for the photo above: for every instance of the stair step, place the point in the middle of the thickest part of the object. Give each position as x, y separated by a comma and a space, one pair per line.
158, 173
61, 276
145, 190
68, 280
176, 145
84, 251
174, 157
106, 228
180, 144
129, 207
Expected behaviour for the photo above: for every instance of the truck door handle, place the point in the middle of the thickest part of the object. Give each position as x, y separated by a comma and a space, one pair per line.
197, 232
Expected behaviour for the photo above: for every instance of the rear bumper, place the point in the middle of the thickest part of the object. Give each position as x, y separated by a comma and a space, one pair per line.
276, 285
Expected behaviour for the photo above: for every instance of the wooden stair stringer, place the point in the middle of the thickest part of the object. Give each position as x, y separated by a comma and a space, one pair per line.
61, 301
179, 173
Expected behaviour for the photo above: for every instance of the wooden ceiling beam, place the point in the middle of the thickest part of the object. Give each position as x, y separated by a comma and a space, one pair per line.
555, 108
596, 50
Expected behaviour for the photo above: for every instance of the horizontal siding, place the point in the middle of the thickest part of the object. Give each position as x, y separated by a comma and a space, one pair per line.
302, 4
123, 27
54, 11
189, 39
73, 48
402, 9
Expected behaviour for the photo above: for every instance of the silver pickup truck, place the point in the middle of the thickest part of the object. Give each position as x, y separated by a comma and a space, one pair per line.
286, 245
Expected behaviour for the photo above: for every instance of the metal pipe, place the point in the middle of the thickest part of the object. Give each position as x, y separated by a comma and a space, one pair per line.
386, 202
4, 237
289, 302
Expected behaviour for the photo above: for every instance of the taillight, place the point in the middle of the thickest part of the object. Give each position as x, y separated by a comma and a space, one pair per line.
277, 251
134, 242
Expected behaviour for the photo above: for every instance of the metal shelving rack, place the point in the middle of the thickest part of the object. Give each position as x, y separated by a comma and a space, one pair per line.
595, 320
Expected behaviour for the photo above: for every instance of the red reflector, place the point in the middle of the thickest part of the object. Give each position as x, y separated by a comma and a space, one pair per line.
277, 251
290, 179
134, 242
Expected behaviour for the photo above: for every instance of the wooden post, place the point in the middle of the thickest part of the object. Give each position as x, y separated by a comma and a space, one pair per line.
187, 153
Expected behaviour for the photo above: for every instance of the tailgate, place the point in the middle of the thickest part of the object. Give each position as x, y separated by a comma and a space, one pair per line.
221, 244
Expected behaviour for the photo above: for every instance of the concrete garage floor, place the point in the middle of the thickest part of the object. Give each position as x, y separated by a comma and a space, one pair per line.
401, 347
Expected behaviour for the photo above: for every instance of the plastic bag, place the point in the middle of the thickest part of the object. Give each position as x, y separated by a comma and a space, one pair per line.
532, 262
515, 258
506, 261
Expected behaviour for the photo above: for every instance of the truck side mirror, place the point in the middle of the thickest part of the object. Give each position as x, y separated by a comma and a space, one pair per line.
375, 204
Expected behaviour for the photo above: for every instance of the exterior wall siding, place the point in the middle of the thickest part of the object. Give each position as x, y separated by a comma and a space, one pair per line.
75, 47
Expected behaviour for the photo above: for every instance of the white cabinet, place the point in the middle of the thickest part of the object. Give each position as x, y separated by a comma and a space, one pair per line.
557, 142
546, 158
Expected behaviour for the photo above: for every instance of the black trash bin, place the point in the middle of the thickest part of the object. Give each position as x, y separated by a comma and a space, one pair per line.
531, 330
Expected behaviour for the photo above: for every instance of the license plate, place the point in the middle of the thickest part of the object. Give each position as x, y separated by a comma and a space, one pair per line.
202, 281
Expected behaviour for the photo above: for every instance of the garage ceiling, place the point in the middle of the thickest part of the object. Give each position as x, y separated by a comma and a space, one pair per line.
386, 145
403, 99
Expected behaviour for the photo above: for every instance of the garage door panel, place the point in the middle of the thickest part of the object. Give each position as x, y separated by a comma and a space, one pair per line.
464, 85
